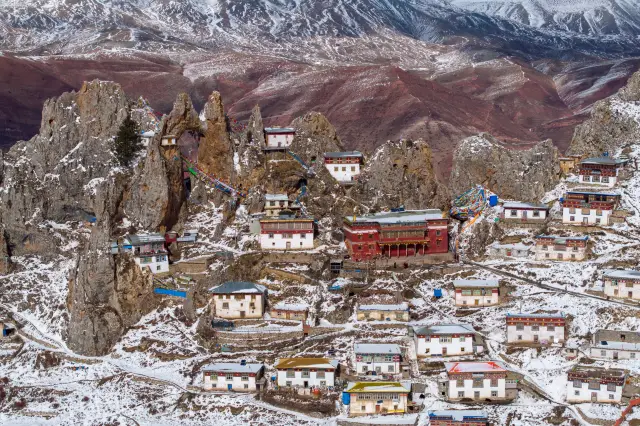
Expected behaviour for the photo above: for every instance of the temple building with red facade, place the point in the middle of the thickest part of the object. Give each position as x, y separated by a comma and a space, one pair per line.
396, 234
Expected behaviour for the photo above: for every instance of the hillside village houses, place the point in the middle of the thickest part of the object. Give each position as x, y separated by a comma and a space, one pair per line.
445, 340
476, 292
402, 235
589, 208
279, 137
616, 345
622, 284
241, 377
383, 312
306, 372
516, 250
478, 381
542, 329
569, 163
277, 204
169, 140
343, 166
458, 418
286, 232
377, 359
239, 300
550, 247
148, 250
364, 398
592, 384
290, 311
600, 171
524, 212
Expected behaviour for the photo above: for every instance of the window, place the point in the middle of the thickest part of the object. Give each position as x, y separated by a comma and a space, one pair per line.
158, 268
391, 369
462, 339
272, 203
572, 210
494, 383
353, 168
344, 169
594, 385
460, 383
225, 305
572, 219
478, 383
445, 339
303, 236
536, 213
577, 384
575, 248
535, 328
363, 408
320, 374
632, 355
245, 378
305, 373
560, 256
551, 328
605, 179
229, 376
494, 393
291, 374
611, 387
546, 255
519, 326
246, 386
438, 233
598, 212
461, 394
271, 236
610, 396
335, 168
288, 383
576, 393
513, 213
519, 336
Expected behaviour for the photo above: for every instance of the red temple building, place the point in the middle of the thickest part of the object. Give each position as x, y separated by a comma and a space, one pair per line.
396, 234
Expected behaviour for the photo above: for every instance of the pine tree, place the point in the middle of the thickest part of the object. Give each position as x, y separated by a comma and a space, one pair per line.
128, 142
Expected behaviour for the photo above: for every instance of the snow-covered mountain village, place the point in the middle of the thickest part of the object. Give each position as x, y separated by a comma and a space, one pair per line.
236, 273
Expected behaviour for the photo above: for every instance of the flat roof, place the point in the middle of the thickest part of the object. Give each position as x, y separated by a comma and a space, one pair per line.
445, 329
459, 415
608, 194
229, 367
343, 154
277, 130
138, 239
521, 205
622, 273
516, 246
276, 197
306, 363
297, 307
407, 216
600, 160
563, 240
474, 367
378, 387
286, 219
396, 307
238, 287
148, 134
377, 348
560, 315
476, 283
598, 372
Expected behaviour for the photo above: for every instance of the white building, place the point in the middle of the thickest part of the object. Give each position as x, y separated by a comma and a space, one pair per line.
478, 381
616, 345
343, 166
623, 284
240, 377
550, 247
169, 140
148, 251
306, 372
286, 233
275, 204
398, 312
146, 138
524, 212
377, 359
476, 293
366, 398
445, 340
279, 137
458, 417
592, 384
588, 208
599, 171
518, 250
543, 329
238, 299
290, 311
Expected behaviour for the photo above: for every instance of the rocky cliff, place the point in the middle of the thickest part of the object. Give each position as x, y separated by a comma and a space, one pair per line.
613, 124
524, 175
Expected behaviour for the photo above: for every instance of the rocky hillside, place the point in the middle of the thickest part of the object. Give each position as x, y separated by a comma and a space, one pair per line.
613, 123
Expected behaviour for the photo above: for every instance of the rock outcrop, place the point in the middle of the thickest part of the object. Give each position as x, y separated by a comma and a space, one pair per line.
315, 135
215, 155
517, 175
614, 123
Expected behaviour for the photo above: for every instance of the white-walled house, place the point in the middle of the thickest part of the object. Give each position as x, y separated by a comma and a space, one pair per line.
343, 166
147, 137
515, 211
517, 250
592, 384
148, 251
543, 329
476, 292
599, 171
241, 377
286, 233
275, 204
588, 208
623, 284
239, 299
477, 381
616, 345
306, 372
377, 358
551, 247
290, 311
445, 340
366, 398
279, 137
398, 312
169, 140
458, 417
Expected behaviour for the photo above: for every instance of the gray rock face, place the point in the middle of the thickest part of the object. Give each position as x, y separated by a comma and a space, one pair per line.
517, 175
614, 123
315, 135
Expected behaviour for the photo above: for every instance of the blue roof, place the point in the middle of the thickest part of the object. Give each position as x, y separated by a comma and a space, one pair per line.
279, 130
238, 287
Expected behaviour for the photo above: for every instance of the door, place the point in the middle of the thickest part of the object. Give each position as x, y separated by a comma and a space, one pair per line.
630, 295
476, 302
229, 386
594, 396
288, 245
378, 370
243, 314
585, 220
306, 384
378, 408
551, 339
615, 355
444, 351
535, 338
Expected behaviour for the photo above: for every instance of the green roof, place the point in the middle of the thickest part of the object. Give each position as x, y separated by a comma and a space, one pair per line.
362, 387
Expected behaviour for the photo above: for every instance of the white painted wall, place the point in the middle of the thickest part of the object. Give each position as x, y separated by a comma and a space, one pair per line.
380, 367
527, 334
313, 379
579, 218
279, 140
486, 300
554, 254
620, 290
167, 141
462, 345
609, 353
520, 214
469, 390
589, 180
298, 241
158, 264
237, 383
343, 172
584, 394
356, 405
237, 304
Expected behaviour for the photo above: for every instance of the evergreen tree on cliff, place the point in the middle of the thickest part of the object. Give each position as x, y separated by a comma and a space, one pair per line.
128, 142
